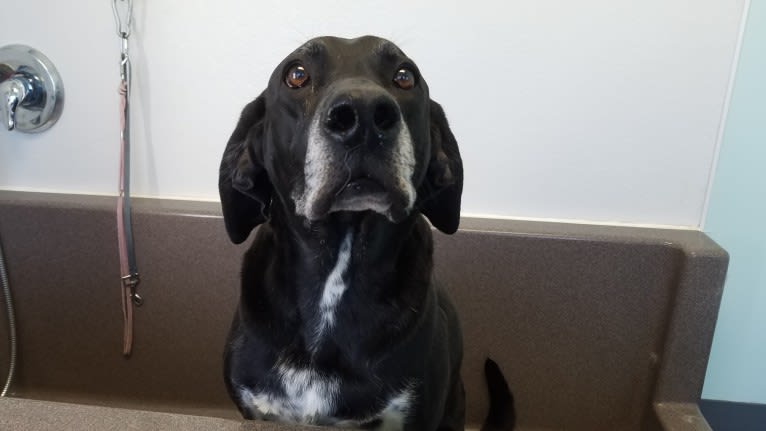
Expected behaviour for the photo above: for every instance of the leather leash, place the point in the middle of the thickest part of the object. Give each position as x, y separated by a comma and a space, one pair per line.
128, 268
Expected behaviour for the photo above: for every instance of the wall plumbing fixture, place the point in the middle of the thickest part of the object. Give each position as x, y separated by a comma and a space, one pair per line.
31, 91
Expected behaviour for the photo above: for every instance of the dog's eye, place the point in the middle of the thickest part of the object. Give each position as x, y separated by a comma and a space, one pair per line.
296, 76
404, 78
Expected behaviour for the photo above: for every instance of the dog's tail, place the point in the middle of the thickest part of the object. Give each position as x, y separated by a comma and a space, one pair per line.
502, 413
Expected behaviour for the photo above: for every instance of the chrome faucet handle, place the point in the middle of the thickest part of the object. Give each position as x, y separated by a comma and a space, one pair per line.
14, 92
31, 91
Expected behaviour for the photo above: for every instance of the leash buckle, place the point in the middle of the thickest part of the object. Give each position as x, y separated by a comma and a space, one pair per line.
130, 282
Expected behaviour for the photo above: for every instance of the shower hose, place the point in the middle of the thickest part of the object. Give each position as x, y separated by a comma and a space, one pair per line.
11, 323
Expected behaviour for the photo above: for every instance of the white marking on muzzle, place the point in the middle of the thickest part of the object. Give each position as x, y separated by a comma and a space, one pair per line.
404, 163
317, 169
322, 163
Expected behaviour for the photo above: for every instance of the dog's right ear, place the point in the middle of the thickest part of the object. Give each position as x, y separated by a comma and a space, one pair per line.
243, 182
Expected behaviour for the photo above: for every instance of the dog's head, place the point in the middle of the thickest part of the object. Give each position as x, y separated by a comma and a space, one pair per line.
344, 125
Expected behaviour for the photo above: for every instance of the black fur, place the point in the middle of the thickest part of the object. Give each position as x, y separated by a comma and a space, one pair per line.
502, 412
394, 327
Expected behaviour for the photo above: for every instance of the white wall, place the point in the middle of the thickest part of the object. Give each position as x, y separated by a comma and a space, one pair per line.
599, 110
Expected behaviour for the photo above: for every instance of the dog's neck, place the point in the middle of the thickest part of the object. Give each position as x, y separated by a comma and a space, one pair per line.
370, 243
352, 264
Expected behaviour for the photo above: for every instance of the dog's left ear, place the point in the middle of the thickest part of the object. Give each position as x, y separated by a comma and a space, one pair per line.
443, 185
243, 182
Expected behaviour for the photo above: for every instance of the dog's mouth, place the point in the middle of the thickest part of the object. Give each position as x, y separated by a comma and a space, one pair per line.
362, 194
359, 194
360, 187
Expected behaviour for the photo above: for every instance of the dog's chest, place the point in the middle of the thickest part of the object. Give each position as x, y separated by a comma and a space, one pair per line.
331, 294
304, 396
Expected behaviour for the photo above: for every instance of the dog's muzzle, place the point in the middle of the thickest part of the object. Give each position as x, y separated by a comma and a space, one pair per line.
359, 155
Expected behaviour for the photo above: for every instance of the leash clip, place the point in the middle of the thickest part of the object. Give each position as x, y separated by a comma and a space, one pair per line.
123, 16
130, 282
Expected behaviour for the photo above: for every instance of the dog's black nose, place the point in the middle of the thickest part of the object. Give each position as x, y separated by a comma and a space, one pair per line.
357, 114
385, 115
342, 118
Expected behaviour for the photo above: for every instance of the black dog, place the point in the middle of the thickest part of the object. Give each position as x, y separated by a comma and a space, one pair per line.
340, 322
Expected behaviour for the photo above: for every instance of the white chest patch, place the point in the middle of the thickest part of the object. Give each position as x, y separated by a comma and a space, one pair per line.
332, 291
311, 399
394, 416
308, 397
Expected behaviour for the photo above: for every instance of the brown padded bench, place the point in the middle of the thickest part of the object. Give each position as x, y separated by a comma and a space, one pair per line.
595, 327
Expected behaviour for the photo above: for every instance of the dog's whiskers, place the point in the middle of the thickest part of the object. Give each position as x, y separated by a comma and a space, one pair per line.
348, 168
